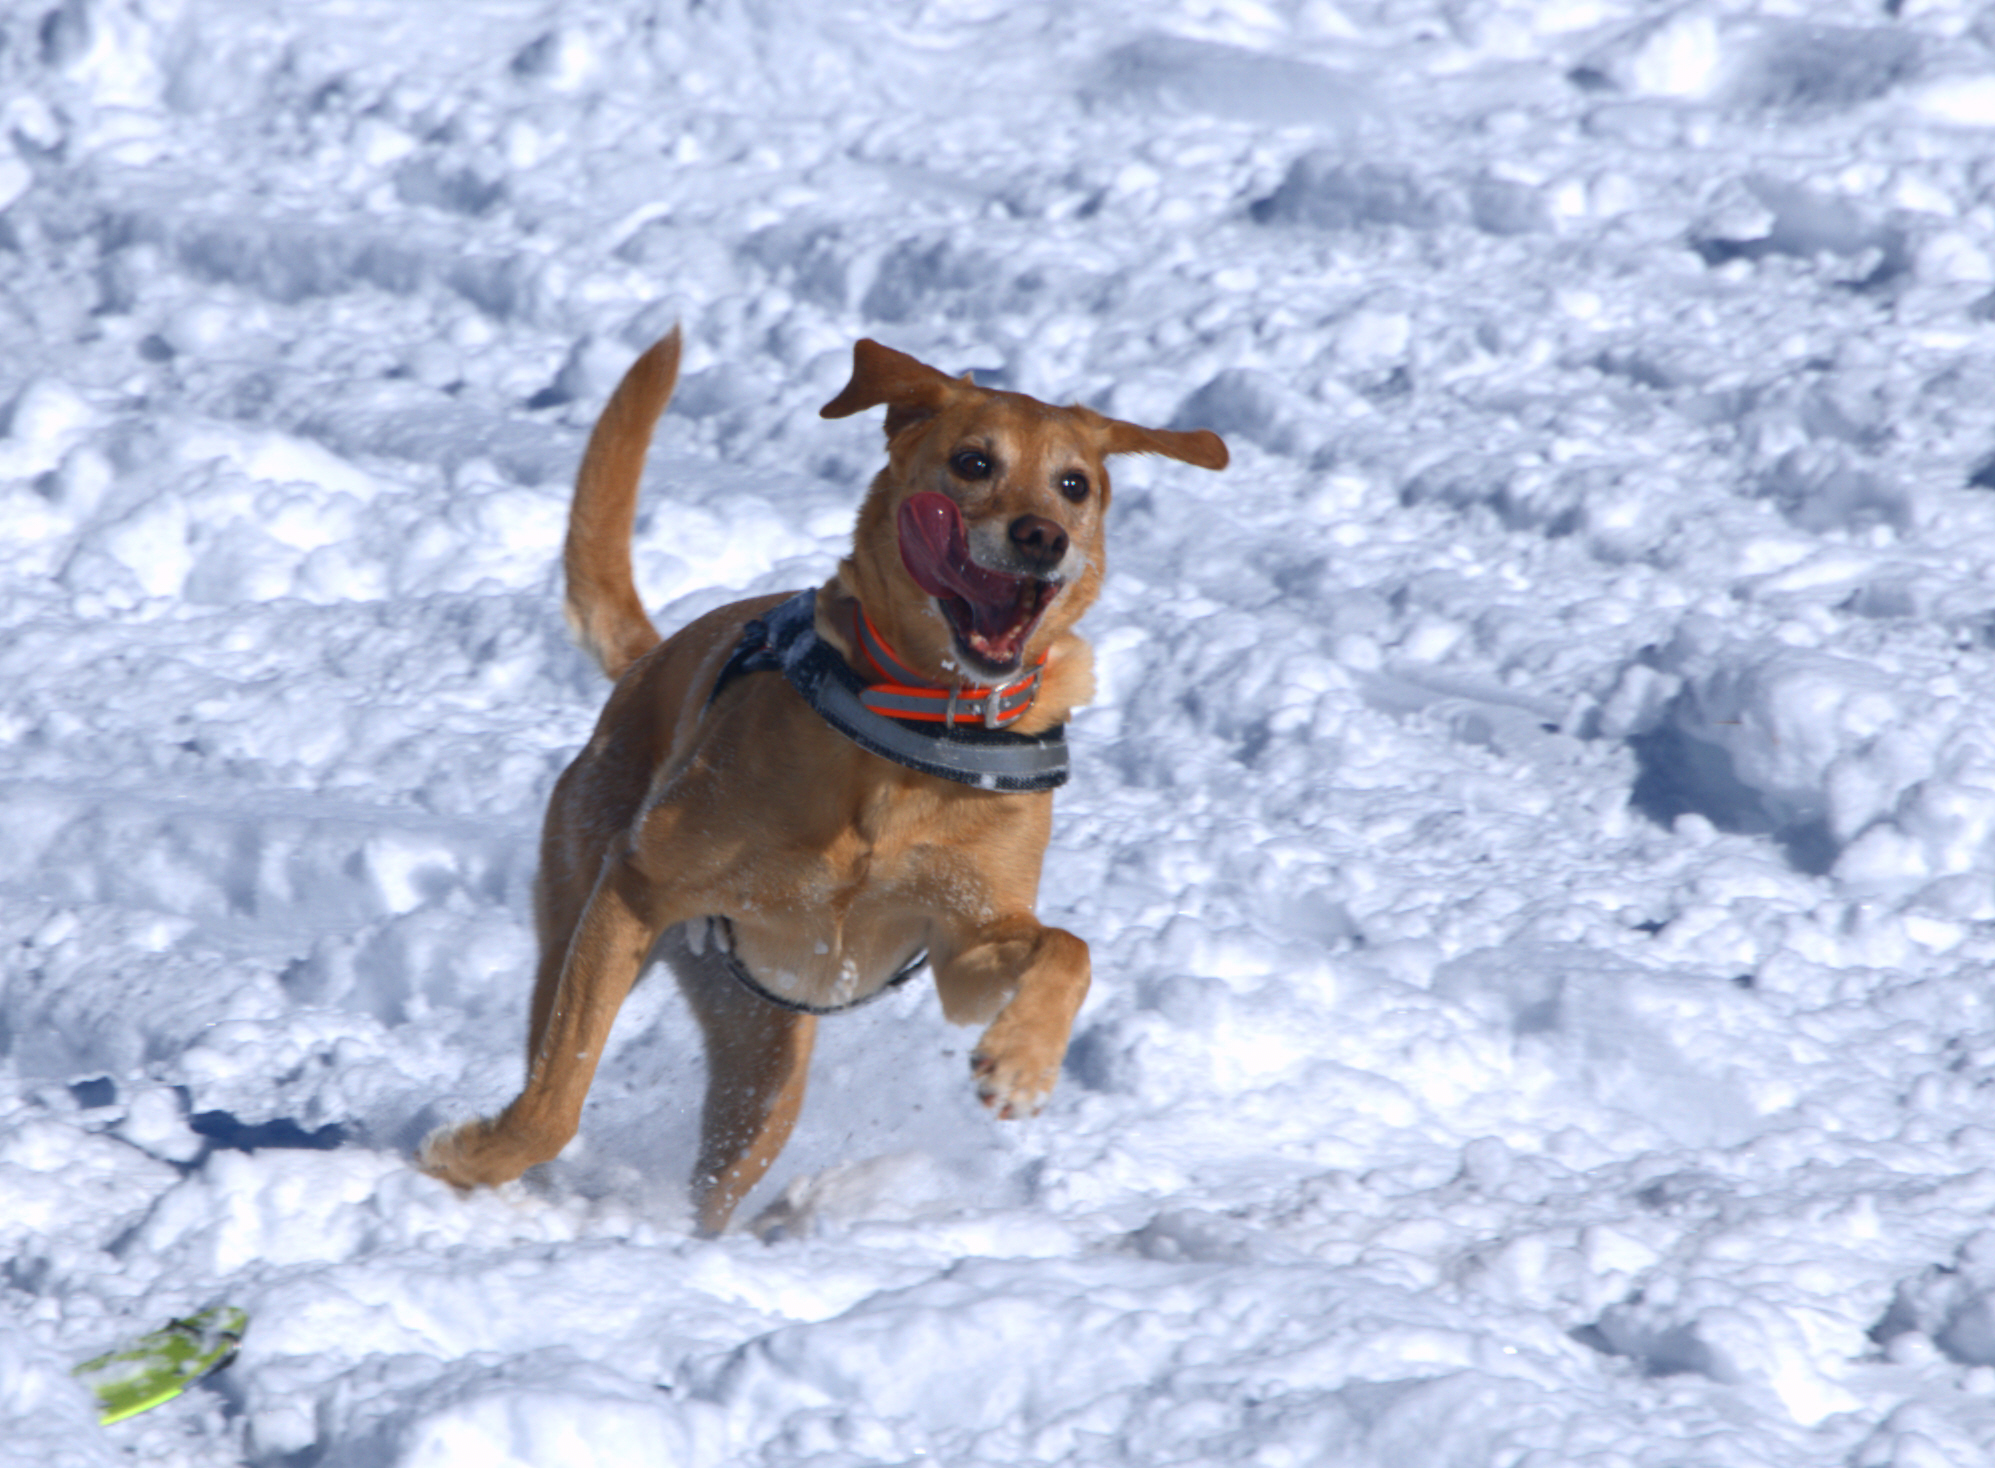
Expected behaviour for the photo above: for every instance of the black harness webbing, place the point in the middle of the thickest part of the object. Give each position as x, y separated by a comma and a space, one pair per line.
723, 938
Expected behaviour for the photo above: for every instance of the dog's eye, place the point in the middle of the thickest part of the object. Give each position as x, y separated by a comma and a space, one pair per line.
969, 464
1074, 485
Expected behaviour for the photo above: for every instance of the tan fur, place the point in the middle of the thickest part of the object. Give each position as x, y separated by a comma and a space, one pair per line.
832, 865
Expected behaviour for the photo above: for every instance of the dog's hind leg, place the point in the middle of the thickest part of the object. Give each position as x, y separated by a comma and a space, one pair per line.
758, 1058
571, 1020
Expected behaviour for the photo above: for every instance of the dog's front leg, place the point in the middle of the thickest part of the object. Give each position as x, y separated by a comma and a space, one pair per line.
621, 921
1045, 972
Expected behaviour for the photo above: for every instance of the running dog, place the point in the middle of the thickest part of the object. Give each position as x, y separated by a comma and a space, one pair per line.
828, 789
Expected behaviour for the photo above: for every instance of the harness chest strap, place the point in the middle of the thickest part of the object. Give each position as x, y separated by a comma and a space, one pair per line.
906, 719
720, 932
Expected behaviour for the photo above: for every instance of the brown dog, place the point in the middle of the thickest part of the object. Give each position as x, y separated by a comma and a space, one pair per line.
824, 787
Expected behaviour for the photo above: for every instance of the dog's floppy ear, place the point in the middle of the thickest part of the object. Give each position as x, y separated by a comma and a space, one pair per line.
911, 390
1201, 446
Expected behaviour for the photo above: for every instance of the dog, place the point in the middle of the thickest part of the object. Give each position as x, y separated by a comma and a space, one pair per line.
822, 791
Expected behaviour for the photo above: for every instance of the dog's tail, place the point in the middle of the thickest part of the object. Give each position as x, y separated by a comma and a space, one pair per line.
601, 604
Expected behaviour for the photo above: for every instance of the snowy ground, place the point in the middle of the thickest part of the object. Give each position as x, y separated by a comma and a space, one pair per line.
1536, 836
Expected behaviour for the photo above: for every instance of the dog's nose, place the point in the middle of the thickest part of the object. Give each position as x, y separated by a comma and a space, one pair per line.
1039, 541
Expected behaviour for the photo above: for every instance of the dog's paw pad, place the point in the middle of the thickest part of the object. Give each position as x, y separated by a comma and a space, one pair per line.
452, 1153
1012, 1090
439, 1153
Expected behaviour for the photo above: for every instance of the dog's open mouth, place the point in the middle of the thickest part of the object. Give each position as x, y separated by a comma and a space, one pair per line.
991, 612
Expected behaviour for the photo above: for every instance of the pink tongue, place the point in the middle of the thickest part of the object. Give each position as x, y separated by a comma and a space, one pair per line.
936, 553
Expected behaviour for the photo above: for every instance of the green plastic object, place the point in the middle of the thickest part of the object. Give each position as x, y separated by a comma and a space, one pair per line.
161, 1365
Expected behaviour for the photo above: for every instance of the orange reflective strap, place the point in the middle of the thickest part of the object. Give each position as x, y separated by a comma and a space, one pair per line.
906, 695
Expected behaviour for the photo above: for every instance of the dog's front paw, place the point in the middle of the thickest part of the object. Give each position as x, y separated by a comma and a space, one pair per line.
472, 1154
1015, 1069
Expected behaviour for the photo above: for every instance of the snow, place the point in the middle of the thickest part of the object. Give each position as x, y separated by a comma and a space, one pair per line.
1536, 834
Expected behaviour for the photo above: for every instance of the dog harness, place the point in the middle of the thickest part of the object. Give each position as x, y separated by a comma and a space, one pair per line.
954, 733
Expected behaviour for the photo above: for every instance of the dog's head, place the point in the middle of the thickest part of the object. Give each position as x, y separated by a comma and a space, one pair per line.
980, 543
